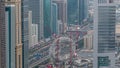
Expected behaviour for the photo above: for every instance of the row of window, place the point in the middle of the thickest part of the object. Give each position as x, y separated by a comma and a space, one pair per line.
105, 1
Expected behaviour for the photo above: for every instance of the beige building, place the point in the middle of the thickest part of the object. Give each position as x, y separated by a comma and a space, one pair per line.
88, 40
18, 40
118, 37
117, 29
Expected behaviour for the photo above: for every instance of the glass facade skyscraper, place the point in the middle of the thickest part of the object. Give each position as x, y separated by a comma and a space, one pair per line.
77, 11
106, 28
104, 35
47, 18
36, 6
72, 11
54, 19
10, 36
25, 33
83, 10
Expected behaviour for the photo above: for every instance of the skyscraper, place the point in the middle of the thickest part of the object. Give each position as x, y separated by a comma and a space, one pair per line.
47, 18
77, 11
10, 36
13, 34
36, 6
104, 35
83, 10
62, 12
2, 35
54, 19
72, 11
33, 31
25, 32
41, 15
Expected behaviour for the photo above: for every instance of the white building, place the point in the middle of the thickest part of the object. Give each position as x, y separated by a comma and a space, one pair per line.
33, 31
104, 35
60, 27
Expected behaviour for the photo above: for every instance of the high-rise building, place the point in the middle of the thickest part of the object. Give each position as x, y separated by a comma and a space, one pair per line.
13, 34
54, 19
10, 36
2, 35
104, 34
72, 11
33, 31
88, 40
83, 10
77, 11
62, 12
47, 18
41, 15
36, 6
25, 33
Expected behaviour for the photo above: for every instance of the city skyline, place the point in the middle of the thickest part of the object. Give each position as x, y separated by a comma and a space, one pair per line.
59, 33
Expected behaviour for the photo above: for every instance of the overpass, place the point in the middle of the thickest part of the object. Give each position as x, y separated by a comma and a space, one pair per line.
39, 54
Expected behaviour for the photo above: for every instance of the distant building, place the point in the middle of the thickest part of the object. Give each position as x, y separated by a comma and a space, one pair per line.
72, 11
104, 34
88, 40
83, 10
2, 35
77, 11
25, 32
41, 15
36, 6
33, 31
118, 37
47, 18
62, 12
60, 27
54, 25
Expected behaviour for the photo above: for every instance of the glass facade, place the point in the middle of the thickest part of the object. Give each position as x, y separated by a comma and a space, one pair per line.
83, 10
106, 28
47, 18
72, 11
35, 7
103, 61
77, 11
54, 19
10, 36
25, 33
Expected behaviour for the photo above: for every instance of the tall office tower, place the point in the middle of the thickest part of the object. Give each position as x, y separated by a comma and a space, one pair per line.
36, 6
10, 36
62, 12
54, 19
25, 32
77, 11
13, 34
104, 36
47, 18
72, 11
41, 15
2, 35
83, 10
